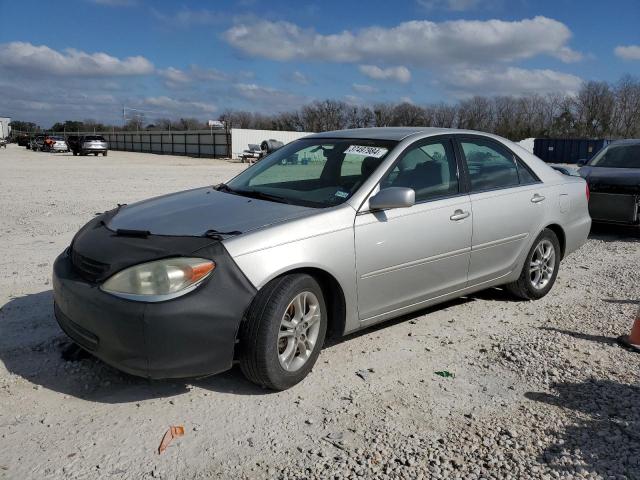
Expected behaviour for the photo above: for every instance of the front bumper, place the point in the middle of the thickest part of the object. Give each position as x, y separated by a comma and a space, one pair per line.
193, 335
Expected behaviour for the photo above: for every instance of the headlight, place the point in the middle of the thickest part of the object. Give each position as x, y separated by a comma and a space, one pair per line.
159, 280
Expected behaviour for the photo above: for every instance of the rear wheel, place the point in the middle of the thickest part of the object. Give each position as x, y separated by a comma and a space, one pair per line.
540, 268
284, 331
104, 154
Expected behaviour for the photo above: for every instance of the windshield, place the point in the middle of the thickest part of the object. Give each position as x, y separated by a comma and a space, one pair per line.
617, 156
313, 172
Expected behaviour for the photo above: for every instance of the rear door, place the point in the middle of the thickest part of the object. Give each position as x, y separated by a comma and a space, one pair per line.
508, 206
406, 256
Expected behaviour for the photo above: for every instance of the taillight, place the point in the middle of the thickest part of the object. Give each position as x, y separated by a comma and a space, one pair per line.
587, 191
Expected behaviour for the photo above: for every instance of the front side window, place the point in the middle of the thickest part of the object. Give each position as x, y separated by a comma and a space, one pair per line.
429, 169
617, 156
313, 172
490, 166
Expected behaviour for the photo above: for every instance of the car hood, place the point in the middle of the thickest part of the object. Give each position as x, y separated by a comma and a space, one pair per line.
600, 178
194, 212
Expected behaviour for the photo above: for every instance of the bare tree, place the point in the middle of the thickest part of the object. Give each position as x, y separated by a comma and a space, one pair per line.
383, 114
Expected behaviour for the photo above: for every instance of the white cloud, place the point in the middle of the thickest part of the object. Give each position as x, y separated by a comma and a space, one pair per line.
628, 52
186, 17
464, 82
175, 77
421, 43
399, 74
361, 88
299, 78
455, 5
184, 106
27, 57
268, 97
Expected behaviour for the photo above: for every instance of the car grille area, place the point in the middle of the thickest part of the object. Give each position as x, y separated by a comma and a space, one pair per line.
88, 269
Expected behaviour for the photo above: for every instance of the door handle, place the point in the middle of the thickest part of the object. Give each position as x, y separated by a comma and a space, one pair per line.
537, 198
459, 215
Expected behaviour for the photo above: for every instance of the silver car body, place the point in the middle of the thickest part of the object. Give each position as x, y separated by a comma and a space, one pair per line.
386, 263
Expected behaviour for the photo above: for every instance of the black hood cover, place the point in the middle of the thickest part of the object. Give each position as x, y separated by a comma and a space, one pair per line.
98, 252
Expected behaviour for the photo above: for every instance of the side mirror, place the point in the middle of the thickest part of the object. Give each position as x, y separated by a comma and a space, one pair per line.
582, 162
393, 197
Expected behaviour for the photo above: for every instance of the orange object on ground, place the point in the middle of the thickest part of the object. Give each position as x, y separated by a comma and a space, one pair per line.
173, 432
632, 341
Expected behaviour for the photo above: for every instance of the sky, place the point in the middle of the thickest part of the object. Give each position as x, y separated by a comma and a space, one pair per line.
87, 59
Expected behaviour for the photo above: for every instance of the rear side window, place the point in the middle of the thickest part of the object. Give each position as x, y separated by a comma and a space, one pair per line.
490, 167
526, 176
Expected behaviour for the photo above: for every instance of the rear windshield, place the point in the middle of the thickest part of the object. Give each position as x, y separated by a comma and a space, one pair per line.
94, 137
617, 156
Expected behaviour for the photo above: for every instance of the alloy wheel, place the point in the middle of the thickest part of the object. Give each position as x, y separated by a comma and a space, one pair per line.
542, 265
299, 330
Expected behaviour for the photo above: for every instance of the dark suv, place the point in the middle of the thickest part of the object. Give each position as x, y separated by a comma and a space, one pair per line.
86, 144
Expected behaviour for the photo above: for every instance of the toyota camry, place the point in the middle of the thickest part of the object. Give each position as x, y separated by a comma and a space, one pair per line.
329, 234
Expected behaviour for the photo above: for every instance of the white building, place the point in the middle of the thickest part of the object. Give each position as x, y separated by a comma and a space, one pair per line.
5, 129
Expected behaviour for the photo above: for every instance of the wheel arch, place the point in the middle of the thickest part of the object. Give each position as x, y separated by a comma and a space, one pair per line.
333, 295
562, 238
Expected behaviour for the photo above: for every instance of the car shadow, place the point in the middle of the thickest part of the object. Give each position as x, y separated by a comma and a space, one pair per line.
491, 294
34, 348
603, 436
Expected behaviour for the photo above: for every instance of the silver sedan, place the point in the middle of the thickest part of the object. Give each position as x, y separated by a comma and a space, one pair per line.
329, 234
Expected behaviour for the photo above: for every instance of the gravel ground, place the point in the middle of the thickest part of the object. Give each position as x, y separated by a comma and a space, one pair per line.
540, 390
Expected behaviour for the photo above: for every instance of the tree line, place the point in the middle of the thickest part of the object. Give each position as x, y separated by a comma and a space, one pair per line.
598, 110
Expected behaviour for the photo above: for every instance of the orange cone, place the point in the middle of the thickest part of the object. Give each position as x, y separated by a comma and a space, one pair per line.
632, 341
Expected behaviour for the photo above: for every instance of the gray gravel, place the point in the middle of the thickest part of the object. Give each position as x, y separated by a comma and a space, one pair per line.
541, 390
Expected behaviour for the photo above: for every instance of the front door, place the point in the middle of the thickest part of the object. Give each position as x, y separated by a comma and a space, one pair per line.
406, 256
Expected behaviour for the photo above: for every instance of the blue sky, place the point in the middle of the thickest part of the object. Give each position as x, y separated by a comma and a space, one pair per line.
87, 58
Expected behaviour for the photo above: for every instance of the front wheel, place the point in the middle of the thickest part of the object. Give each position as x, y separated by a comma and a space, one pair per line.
540, 268
284, 331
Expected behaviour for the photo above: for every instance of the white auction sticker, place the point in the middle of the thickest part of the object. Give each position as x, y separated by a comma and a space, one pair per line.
366, 151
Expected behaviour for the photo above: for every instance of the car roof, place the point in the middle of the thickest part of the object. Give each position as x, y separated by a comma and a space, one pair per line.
626, 141
388, 133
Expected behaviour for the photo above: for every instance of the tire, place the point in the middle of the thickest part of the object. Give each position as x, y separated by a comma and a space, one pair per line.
532, 285
262, 352
104, 154
75, 153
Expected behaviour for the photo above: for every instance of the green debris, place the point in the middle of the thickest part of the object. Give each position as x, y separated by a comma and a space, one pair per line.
445, 374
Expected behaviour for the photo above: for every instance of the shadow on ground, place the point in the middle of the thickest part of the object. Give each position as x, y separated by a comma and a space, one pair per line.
33, 347
603, 436
582, 336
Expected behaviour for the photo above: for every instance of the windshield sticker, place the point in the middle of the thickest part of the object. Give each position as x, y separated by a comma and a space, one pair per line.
366, 151
341, 194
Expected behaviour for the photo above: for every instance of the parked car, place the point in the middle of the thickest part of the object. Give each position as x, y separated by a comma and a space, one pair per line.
37, 143
23, 140
88, 144
55, 144
382, 222
613, 175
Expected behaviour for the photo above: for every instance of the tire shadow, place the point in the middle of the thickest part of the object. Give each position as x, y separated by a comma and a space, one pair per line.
603, 437
33, 347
